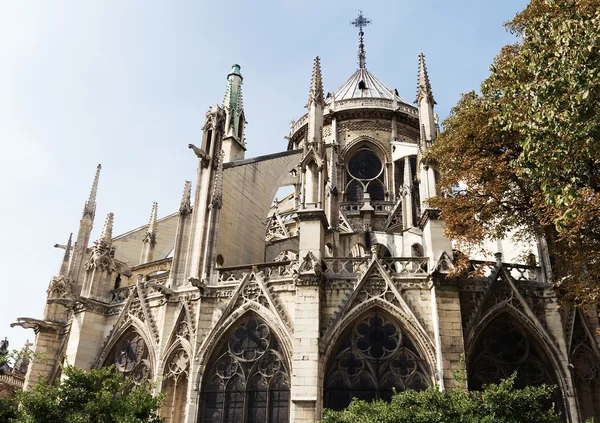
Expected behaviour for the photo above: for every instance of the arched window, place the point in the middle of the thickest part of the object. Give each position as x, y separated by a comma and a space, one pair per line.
175, 385
365, 172
247, 378
372, 358
585, 371
503, 348
131, 357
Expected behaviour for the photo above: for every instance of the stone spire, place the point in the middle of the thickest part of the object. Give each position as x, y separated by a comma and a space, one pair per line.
64, 267
360, 22
106, 236
186, 206
153, 218
90, 204
423, 84
149, 240
316, 85
425, 103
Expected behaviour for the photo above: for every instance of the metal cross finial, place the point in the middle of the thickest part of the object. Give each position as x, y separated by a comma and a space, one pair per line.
360, 22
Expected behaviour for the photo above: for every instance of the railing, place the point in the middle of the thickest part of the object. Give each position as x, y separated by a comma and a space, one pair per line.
12, 379
525, 273
396, 266
345, 265
406, 266
519, 272
379, 206
274, 270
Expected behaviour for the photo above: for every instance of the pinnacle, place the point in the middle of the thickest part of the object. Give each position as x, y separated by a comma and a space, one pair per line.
90, 204
153, 218
106, 236
423, 84
316, 84
185, 204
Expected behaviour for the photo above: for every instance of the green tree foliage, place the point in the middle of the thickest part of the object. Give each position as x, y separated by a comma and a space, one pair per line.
525, 154
97, 396
497, 403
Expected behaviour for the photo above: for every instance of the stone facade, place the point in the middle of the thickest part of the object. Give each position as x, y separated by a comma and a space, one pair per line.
242, 308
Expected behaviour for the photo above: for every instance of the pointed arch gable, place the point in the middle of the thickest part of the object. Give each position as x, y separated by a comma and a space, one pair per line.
139, 328
356, 142
395, 303
182, 315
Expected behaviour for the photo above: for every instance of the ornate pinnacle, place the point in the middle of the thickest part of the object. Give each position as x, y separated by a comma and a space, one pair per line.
90, 205
361, 22
316, 84
423, 84
106, 236
151, 232
153, 218
185, 206
64, 268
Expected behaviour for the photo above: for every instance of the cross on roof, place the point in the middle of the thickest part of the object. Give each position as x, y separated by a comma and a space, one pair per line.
360, 21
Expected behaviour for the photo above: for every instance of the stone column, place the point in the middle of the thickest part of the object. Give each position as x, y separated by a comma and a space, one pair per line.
305, 359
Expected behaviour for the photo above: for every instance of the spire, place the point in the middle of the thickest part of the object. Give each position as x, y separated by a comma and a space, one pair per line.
151, 232
361, 22
423, 84
106, 236
316, 85
153, 217
186, 206
90, 205
233, 105
64, 267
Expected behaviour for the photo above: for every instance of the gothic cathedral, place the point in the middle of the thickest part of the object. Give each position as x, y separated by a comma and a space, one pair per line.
245, 308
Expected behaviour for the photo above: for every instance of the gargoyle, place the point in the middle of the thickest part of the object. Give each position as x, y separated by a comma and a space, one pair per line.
201, 154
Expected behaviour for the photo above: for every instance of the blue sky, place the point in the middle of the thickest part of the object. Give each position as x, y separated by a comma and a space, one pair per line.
127, 83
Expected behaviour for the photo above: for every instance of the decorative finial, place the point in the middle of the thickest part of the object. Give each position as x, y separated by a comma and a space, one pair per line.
90, 205
316, 84
360, 22
423, 84
106, 236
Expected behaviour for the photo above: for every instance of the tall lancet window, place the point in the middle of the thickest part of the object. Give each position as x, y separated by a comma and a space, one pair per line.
247, 379
373, 357
365, 173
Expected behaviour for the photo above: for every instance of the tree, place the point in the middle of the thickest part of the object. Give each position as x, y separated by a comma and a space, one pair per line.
101, 395
497, 403
525, 154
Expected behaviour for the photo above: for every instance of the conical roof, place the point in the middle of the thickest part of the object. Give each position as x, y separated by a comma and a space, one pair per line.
363, 84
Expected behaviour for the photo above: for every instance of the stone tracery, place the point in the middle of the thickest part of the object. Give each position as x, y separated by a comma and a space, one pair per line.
247, 378
373, 357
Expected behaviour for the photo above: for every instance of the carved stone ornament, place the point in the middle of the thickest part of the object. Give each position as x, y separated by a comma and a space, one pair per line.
310, 265
102, 257
201, 154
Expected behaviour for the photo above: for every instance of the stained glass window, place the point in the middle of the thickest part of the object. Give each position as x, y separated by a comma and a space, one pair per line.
247, 379
365, 173
373, 357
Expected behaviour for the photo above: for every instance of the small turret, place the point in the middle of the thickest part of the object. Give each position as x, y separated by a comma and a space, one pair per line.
101, 265
90, 204
233, 138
